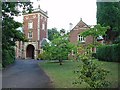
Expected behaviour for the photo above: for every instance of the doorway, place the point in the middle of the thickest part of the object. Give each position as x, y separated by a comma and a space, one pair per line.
30, 52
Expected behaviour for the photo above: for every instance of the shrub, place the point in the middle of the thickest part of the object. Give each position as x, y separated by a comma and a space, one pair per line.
41, 56
109, 53
93, 54
44, 56
8, 57
91, 73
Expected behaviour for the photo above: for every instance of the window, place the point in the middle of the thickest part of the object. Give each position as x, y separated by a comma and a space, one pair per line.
30, 35
43, 26
30, 25
81, 39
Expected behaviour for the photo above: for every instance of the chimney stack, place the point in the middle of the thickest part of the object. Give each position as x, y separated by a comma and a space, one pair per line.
70, 26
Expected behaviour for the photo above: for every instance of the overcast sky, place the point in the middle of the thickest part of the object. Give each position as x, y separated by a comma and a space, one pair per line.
63, 12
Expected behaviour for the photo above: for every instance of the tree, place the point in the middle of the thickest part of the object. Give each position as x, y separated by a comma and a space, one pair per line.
90, 72
59, 49
9, 26
108, 14
95, 32
51, 33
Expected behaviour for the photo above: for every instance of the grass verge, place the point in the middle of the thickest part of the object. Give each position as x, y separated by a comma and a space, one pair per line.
63, 75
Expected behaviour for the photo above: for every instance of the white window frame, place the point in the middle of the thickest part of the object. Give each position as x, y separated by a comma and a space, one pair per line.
81, 38
30, 36
30, 25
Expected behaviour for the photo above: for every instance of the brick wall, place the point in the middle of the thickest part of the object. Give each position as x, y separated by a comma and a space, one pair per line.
43, 32
34, 19
80, 27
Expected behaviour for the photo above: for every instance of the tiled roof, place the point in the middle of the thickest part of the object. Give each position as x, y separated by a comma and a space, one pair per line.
81, 24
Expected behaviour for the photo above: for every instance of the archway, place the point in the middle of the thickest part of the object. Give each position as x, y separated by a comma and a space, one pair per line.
30, 51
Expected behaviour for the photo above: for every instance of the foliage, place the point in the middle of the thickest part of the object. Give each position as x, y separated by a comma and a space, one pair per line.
59, 48
117, 40
51, 33
109, 53
9, 26
9, 55
97, 31
90, 72
108, 14
44, 56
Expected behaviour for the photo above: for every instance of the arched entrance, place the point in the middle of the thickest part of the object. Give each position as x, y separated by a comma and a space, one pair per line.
30, 51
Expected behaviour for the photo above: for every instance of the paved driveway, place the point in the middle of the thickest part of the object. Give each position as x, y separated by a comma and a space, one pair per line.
25, 74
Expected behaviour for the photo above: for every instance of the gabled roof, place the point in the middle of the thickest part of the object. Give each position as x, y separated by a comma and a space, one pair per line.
81, 24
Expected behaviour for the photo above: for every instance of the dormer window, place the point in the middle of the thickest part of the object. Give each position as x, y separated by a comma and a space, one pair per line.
30, 25
81, 39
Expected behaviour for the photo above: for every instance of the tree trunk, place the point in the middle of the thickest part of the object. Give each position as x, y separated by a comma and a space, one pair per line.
60, 61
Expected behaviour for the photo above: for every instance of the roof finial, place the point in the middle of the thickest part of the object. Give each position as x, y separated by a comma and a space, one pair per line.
38, 4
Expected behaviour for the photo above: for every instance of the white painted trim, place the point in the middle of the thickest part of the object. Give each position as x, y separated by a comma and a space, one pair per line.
38, 26
31, 14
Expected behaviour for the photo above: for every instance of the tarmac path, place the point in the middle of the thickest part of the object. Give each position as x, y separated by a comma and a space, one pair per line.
25, 74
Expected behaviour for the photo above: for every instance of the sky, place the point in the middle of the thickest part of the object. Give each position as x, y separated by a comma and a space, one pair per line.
63, 12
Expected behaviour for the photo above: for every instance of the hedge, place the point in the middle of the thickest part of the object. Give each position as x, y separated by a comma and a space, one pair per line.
109, 53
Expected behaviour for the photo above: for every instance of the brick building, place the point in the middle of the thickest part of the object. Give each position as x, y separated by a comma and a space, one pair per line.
35, 30
75, 37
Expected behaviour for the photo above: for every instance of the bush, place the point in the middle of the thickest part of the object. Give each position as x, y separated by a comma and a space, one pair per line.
40, 56
44, 56
8, 57
93, 54
90, 72
109, 53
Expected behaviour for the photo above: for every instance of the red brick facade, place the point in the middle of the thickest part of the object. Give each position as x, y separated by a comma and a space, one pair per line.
74, 33
74, 37
35, 29
34, 18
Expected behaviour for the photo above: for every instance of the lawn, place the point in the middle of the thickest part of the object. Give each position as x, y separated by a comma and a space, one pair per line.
62, 76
